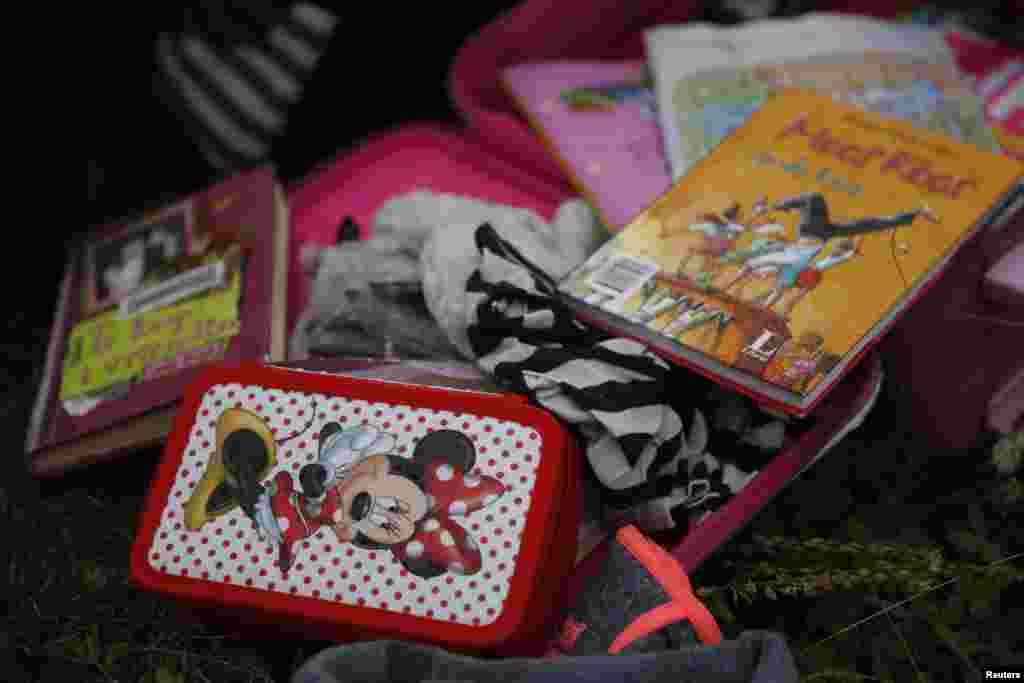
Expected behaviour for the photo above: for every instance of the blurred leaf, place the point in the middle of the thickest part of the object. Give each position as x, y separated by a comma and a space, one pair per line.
980, 592
75, 647
168, 674
857, 530
821, 658
93, 576
964, 646
115, 652
719, 607
975, 546
84, 644
978, 524
1011, 492
1008, 454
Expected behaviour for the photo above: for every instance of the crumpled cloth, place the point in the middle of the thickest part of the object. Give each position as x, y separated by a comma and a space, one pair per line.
450, 255
367, 296
367, 300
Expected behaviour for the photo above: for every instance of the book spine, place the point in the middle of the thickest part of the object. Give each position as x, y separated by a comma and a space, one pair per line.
43, 397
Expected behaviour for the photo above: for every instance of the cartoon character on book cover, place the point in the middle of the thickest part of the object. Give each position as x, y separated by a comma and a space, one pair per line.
158, 296
821, 243
602, 97
783, 249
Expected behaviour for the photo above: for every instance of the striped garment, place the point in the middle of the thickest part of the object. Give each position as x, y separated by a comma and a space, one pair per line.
234, 96
655, 471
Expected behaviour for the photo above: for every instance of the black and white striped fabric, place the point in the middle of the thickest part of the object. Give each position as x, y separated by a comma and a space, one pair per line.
232, 85
655, 470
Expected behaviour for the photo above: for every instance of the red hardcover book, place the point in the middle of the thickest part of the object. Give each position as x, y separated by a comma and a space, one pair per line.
145, 303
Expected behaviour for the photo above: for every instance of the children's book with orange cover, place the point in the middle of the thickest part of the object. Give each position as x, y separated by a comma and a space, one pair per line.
778, 259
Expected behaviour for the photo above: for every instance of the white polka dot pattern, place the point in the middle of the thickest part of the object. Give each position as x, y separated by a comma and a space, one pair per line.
229, 550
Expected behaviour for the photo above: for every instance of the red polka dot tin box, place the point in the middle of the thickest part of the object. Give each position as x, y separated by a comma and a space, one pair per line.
353, 508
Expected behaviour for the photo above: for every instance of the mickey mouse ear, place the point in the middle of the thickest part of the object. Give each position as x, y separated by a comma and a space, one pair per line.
447, 445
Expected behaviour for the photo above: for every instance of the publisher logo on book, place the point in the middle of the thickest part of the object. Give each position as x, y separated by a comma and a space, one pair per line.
622, 276
765, 346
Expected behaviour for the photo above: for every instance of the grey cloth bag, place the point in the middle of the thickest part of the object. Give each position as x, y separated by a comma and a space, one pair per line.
753, 657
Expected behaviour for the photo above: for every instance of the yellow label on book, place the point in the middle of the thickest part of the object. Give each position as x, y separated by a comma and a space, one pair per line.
114, 348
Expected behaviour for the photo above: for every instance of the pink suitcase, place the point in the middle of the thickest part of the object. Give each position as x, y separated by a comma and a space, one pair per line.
947, 407
439, 159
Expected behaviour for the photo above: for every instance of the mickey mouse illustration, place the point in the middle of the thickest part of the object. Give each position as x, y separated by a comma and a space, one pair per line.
376, 500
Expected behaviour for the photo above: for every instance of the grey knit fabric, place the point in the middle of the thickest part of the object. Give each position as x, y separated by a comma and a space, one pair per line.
753, 657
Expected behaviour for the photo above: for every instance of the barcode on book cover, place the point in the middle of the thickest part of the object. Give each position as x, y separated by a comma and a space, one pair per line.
195, 281
622, 276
